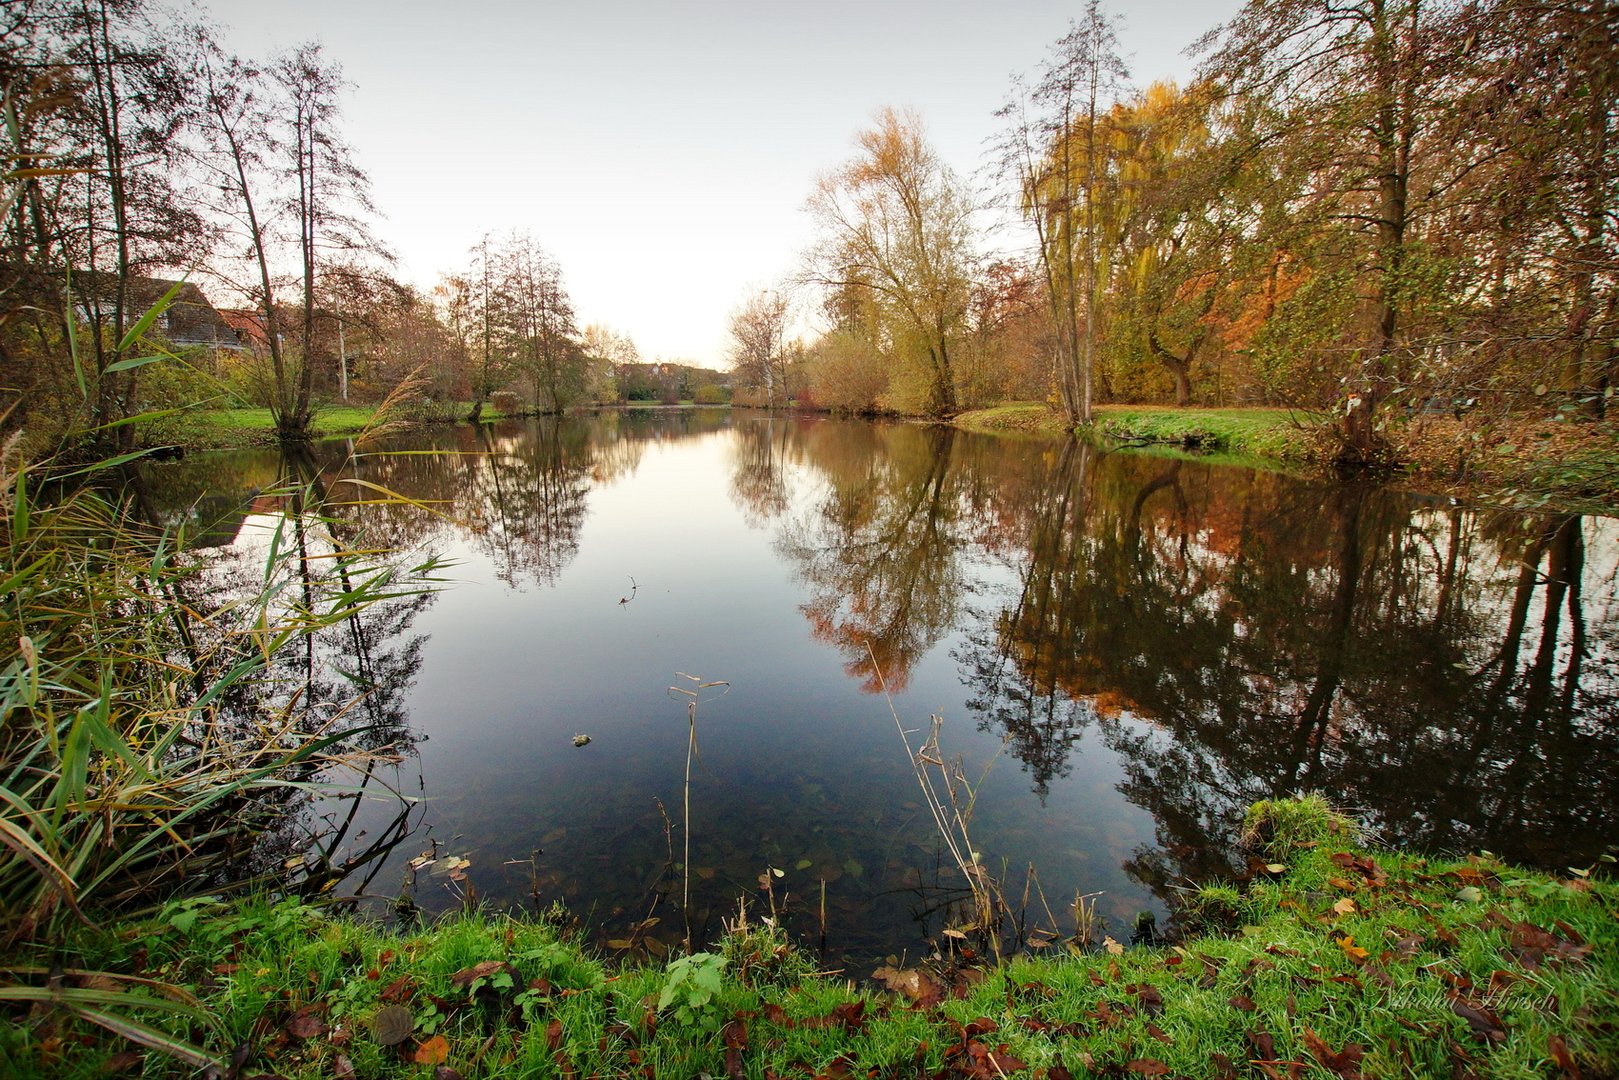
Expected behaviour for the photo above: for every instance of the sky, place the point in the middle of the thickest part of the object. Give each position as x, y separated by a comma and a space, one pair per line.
662, 150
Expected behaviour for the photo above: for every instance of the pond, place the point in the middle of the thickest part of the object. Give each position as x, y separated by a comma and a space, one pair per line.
1125, 650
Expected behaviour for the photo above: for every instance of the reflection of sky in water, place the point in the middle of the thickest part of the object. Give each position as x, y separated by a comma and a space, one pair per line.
731, 537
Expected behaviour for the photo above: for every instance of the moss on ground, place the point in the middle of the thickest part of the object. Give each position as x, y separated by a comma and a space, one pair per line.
1339, 961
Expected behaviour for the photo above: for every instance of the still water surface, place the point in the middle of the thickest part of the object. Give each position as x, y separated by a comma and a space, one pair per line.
1126, 650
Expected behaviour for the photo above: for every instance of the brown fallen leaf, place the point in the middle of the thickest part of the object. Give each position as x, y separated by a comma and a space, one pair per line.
986, 1064
308, 1022
1346, 1062
468, 976
122, 1062
1147, 1067
392, 1025
433, 1052
1485, 1024
399, 991
1243, 1002
913, 983
1557, 1047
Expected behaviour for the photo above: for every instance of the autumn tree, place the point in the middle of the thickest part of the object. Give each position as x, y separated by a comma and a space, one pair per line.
1358, 89
1545, 102
482, 311
96, 106
894, 228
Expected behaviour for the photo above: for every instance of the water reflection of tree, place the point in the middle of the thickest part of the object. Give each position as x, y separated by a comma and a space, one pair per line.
881, 551
528, 490
1238, 636
762, 452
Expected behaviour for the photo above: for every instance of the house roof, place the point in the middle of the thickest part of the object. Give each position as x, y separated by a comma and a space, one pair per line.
189, 318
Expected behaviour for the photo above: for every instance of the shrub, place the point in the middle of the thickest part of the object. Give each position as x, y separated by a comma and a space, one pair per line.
506, 403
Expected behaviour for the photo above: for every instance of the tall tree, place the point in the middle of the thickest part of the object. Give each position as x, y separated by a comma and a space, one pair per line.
1357, 88
1056, 153
328, 196
487, 312
291, 195
543, 322
895, 225
96, 104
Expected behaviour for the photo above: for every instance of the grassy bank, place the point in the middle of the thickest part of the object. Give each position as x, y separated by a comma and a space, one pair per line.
1334, 960
1270, 433
231, 429
1533, 462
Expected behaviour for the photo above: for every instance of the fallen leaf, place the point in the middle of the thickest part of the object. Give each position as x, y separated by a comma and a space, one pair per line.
1557, 1047
1243, 1002
399, 991
433, 1052
1147, 1067
1113, 946
444, 1072
1351, 950
308, 1022
122, 1062
342, 1068
468, 976
553, 1035
392, 1025
911, 982
1345, 906
1346, 1062
1485, 1024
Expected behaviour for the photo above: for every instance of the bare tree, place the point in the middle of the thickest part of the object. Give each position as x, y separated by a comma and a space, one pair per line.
286, 178
758, 331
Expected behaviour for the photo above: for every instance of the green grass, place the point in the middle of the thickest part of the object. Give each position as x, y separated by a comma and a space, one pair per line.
1251, 433
1343, 960
1029, 416
217, 429
1271, 433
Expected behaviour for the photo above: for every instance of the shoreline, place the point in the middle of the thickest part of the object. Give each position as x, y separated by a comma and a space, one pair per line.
1542, 465
1334, 957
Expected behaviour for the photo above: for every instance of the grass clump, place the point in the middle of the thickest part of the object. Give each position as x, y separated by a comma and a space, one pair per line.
1346, 962
1281, 827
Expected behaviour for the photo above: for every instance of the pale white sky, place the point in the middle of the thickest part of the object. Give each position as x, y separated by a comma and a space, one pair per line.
662, 151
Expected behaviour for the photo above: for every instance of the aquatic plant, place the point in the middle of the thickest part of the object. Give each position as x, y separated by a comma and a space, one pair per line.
692, 694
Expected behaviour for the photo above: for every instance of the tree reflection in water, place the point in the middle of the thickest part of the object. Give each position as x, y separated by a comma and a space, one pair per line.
1237, 636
